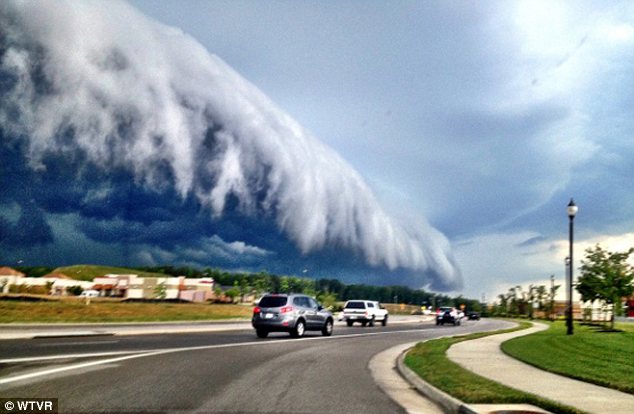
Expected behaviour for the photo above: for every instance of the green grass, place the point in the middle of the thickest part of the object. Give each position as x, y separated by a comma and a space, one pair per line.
591, 354
89, 272
76, 310
429, 361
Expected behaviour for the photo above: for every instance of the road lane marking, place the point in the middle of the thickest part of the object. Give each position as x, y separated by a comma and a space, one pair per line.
71, 356
76, 343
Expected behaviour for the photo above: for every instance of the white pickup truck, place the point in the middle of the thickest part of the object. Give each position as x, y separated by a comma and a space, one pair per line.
365, 311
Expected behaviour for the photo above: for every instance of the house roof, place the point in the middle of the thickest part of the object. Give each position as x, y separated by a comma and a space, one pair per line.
7, 271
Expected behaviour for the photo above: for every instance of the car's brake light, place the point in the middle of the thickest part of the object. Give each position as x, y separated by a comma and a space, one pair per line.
257, 310
286, 309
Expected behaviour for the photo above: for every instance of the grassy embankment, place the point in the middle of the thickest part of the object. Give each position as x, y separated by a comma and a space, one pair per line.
592, 354
103, 310
429, 361
89, 272
73, 309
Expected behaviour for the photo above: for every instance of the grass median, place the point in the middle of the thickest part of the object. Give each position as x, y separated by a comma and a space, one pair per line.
429, 361
592, 354
77, 311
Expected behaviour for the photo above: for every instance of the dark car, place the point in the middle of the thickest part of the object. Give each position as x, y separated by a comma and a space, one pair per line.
292, 313
473, 316
448, 315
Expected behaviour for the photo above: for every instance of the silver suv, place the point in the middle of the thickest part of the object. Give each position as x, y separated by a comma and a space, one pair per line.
291, 313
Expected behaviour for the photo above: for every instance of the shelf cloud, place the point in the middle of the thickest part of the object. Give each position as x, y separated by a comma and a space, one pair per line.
129, 131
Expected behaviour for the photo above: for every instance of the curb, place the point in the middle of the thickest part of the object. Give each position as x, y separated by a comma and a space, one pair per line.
448, 403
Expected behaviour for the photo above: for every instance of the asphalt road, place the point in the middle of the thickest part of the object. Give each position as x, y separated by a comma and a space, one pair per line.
219, 372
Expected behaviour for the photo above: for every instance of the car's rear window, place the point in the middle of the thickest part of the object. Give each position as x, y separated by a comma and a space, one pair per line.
272, 301
355, 305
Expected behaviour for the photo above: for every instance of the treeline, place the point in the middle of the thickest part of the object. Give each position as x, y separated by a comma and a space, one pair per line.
325, 289
518, 302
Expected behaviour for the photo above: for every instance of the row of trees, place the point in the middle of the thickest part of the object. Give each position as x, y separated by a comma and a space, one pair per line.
519, 302
328, 291
605, 277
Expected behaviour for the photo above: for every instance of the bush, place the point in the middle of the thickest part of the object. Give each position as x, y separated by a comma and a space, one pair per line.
74, 290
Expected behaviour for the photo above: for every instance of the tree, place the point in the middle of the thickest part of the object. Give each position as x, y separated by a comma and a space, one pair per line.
262, 284
244, 287
504, 304
285, 286
540, 296
551, 297
74, 290
607, 277
160, 291
513, 303
328, 300
233, 293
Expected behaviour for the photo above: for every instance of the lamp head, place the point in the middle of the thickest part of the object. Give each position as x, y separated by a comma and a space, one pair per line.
572, 209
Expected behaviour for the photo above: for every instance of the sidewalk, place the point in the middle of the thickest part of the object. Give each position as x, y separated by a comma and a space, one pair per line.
484, 357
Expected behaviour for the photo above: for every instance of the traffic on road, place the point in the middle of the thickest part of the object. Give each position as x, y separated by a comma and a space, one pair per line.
215, 371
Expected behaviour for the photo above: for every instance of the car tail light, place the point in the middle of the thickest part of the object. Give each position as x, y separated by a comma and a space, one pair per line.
257, 310
286, 309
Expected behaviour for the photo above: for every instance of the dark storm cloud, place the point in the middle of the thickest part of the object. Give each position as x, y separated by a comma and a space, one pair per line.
144, 139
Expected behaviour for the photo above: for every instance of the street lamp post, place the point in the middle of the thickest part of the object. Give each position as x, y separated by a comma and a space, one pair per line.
572, 211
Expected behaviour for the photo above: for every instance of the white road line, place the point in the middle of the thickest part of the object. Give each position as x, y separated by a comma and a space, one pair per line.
76, 343
71, 356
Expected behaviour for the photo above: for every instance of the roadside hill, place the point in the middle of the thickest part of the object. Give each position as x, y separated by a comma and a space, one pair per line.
89, 272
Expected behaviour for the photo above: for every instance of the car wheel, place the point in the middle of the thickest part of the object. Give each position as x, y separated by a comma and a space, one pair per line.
261, 333
364, 323
300, 328
327, 330
349, 323
384, 321
371, 322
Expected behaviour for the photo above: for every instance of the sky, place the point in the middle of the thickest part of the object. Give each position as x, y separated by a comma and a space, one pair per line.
434, 144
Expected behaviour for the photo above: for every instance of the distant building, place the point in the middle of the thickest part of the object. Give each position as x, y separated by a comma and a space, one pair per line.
114, 285
136, 287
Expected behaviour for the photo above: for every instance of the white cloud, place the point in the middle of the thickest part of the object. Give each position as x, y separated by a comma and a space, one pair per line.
493, 263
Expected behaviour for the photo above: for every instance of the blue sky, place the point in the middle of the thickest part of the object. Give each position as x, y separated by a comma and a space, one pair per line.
473, 123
